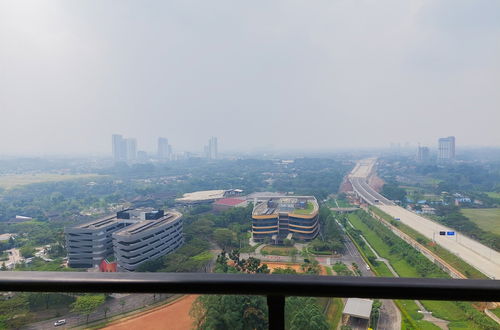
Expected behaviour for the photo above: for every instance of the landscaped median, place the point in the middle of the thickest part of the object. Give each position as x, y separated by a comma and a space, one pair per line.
454, 261
410, 263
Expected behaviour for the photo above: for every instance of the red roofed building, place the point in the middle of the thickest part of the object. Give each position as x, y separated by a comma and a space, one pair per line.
107, 266
227, 203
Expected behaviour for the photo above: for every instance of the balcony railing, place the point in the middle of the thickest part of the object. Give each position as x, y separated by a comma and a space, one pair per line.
274, 287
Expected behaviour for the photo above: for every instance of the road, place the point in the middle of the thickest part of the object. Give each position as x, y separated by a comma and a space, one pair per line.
174, 316
390, 315
474, 253
120, 304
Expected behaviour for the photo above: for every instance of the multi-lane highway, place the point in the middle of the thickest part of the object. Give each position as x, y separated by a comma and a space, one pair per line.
474, 253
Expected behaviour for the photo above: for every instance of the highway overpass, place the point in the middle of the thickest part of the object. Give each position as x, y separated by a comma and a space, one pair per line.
474, 253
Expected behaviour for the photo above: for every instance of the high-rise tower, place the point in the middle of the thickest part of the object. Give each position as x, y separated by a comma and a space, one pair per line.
446, 148
211, 149
164, 149
119, 147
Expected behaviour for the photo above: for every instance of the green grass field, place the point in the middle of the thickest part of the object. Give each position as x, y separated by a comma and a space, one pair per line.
486, 219
400, 265
334, 312
342, 203
493, 194
11, 181
278, 250
202, 256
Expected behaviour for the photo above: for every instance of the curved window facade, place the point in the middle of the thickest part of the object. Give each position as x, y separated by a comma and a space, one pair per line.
147, 240
283, 217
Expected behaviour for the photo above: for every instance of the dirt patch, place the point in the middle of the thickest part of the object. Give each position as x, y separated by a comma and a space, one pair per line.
345, 186
174, 316
376, 183
283, 265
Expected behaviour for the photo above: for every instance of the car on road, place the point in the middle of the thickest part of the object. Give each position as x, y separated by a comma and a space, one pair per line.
376, 201
59, 322
368, 267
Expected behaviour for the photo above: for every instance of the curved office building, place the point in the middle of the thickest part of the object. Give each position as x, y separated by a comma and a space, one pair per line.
281, 217
89, 243
147, 240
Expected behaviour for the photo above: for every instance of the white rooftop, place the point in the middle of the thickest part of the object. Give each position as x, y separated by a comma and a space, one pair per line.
358, 307
202, 195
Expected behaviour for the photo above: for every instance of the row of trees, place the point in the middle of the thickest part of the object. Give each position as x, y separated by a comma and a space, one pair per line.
227, 229
397, 247
250, 312
331, 238
424, 267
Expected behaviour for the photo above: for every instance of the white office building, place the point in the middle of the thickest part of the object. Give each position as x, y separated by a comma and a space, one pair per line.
132, 236
147, 240
446, 148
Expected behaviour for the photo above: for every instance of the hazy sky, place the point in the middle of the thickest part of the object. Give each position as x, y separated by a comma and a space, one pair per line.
287, 74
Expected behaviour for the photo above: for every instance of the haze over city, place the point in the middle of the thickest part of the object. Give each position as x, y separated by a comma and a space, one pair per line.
286, 75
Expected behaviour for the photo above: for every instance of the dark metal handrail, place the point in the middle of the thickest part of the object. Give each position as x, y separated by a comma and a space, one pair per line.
275, 287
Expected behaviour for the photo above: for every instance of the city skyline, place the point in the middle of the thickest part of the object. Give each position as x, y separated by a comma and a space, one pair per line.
75, 73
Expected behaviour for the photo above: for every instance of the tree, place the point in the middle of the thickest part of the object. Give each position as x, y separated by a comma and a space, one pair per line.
229, 312
27, 251
310, 267
14, 312
286, 270
87, 304
225, 238
304, 314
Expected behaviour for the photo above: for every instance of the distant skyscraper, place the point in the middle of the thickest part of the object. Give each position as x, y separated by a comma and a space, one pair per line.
211, 149
142, 156
446, 148
164, 149
422, 154
123, 149
119, 148
131, 149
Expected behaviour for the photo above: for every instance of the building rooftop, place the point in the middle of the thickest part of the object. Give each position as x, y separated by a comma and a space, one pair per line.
127, 215
205, 195
99, 223
230, 201
263, 195
147, 225
303, 205
358, 307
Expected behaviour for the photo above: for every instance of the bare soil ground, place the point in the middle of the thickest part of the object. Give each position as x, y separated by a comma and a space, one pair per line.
376, 183
174, 316
273, 265
345, 186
